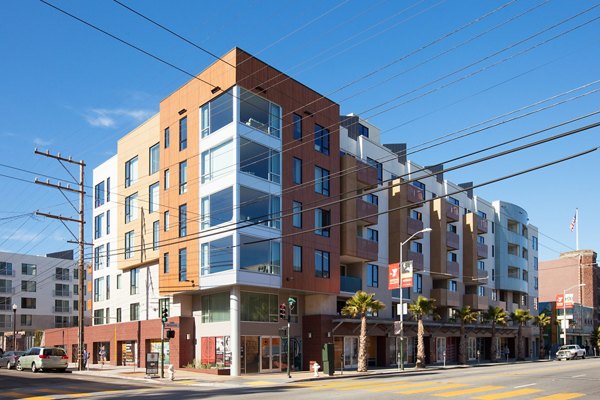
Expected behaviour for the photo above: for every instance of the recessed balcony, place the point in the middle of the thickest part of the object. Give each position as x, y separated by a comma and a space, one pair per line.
452, 241
482, 225
413, 226
350, 284
482, 251
476, 302
445, 298
452, 212
414, 194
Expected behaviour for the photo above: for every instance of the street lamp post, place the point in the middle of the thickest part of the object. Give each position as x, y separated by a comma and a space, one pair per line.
401, 361
564, 322
14, 327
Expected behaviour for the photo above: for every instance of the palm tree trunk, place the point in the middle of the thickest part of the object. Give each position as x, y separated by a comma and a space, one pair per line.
362, 345
462, 347
520, 343
493, 350
420, 345
540, 342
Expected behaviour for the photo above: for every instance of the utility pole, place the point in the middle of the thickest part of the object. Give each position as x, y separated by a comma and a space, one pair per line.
81, 241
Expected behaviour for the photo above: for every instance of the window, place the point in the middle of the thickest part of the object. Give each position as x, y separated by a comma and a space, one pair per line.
493, 275
363, 130
379, 167
62, 274
154, 155
216, 162
155, 234
535, 263
494, 295
217, 256
99, 194
261, 207
321, 181
98, 317
26, 286
61, 306
167, 179
481, 291
260, 256
321, 264
108, 189
297, 171
493, 250
183, 177
216, 113
183, 220
452, 286
297, 259
535, 282
321, 139
119, 314
166, 221
260, 161
167, 137
60, 289
534, 242
416, 215
6, 268
134, 311
372, 275
373, 235
6, 286
454, 201
183, 133
5, 303
131, 207
297, 214
418, 283
297, 121
107, 222
482, 215
98, 222
215, 307
129, 244
131, 171
28, 302
26, 320
259, 307
451, 228
134, 281
452, 257
99, 289
217, 208
525, 276
371, 198
119, 277
28, 269
481, 265
322, 222
166, 263
481, 239
182, 265
153, 198
259, 113
416, 247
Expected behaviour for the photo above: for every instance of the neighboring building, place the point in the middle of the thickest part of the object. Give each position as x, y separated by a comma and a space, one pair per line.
579, 328
250, 171
42, 290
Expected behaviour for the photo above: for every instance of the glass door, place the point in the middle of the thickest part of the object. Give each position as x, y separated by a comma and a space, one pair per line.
350, 352
440, 348
270, 353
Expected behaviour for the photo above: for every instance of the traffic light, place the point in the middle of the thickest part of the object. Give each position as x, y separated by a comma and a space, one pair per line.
165, 315
282, 311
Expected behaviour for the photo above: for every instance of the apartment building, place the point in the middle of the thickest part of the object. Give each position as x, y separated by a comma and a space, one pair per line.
40, 291
248, 189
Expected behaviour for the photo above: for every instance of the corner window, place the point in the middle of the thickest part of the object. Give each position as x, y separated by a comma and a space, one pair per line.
260, 113
379, 167
260, 256
216, 208
216, 162
363, 130
216, 256
260, 161
261, 207
216, 114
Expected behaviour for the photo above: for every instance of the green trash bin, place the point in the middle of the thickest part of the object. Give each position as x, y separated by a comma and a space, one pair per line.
328, 361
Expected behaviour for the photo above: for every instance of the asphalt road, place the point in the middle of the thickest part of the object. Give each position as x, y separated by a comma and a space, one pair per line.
546, 380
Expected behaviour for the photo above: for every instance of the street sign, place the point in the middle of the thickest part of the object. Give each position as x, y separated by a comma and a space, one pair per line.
171, 325
568, 301
560, 317
400, 309
394, 276
407, 274
564, 324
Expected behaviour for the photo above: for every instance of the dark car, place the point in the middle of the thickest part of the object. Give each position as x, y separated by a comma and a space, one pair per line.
9, 359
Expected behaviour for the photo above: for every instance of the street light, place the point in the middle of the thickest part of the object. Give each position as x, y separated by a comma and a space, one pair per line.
564, 322
14, 327
401, 361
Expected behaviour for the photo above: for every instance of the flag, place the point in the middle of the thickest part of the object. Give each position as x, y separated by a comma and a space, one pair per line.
573, 222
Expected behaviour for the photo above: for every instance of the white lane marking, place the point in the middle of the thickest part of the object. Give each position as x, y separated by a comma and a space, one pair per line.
578, 376
522, 386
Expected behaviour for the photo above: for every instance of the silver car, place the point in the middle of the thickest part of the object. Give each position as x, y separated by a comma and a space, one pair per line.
570, 352
43, 358
9, 359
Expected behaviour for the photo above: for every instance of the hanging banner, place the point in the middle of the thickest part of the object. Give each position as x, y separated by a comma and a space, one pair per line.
394, 276
567, 302
407, 274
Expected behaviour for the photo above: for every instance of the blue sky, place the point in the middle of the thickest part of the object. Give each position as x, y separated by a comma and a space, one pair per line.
70, 89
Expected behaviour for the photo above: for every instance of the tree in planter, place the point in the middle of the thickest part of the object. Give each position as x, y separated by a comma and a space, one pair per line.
421, 308
496, 316
521, 317
541, 321
465, 316
361, 304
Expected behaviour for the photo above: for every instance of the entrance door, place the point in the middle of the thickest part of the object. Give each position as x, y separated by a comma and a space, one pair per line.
270, 355
440, 348
350, 351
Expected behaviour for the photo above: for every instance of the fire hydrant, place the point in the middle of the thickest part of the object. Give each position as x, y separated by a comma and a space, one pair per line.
171, 372
316, 367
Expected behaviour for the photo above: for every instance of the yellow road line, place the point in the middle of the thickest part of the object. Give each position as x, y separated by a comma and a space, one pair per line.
259, 383
56, 391
37, 398
561, 396
383, 386
469, 391
403, 385
506, 395
433, 389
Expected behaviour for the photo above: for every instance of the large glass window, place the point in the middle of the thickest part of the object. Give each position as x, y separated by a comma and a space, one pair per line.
98, 222
259, 307
216, 208
321, 264
215, 307
183, 220
260, 256
297, 214
6, 268
321, 139
297, 171
99, 194
131, 171
134, 312
154, 158
183, 133
322, 222
6, 286
260, 113
322, 181
297, 121
260, 161
297, 259
216, 113
129, 244
98, 257
372, 275
26, 286
182, 265
217, 256
134, 281
131, 207
216, 162
183, 177
153, 201
260, 207
28, 269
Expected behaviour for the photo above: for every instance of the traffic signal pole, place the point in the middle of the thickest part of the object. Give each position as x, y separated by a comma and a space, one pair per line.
289, 317
162, 351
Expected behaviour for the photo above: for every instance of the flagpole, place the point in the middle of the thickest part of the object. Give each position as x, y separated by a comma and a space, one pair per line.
577, 229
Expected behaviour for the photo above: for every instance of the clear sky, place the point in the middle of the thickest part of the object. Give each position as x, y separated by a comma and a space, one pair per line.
418, 69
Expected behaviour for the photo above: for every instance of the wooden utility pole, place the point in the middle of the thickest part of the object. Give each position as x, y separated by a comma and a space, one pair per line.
81, 241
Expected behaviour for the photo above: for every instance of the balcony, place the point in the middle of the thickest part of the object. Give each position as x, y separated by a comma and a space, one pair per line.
482, 251
61, 309
413, 226
366, 212
414, 194
482, 225
366, 174
445, 270
452, 241
350, 284
359, 249
61, 293
476, 277
476, 302
452, 268
417, 259
452, 212
445, 298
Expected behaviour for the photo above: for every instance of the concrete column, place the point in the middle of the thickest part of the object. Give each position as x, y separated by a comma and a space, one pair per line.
234, 317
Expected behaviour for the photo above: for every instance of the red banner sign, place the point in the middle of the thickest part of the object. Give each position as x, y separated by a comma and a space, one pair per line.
394, 276
567, 302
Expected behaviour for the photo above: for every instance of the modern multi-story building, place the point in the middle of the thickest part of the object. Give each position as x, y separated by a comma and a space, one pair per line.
41, 292
247, 190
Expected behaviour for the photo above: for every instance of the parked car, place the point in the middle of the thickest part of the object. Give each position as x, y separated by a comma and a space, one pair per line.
44, 358
9, 359
570, 352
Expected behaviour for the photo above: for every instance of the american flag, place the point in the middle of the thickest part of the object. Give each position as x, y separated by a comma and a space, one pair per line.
573, 222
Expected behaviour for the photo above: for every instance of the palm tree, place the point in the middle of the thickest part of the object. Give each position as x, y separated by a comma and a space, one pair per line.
466, 316
542, 321
421, 308
497, 316
521, 317
361, 304
596, 338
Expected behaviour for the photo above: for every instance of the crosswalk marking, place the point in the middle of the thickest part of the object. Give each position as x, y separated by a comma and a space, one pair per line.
381, 386
506, 395
37, 398
469, 391
400, 386
433, 389
561, 396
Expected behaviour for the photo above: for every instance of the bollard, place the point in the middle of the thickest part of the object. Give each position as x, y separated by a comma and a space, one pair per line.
316, 367
171, 372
